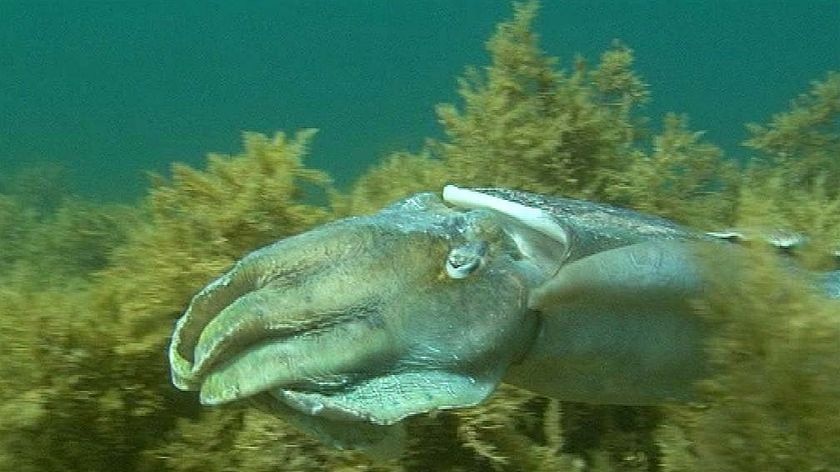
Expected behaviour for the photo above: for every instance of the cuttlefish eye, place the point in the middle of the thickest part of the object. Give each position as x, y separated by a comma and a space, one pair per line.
466, 259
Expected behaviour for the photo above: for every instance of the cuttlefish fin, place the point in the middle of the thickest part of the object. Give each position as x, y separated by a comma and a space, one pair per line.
389, 399
367, 417
650, 273
378, 442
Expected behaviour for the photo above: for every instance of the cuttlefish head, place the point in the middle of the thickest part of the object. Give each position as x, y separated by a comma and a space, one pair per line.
419, 307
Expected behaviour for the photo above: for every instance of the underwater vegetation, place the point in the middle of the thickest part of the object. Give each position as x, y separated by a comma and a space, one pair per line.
89, 292
772, 403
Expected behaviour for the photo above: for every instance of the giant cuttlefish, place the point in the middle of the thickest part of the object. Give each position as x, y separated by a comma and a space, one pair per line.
429, 304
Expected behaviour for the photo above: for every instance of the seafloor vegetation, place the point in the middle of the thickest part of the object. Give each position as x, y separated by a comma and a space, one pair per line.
89, 293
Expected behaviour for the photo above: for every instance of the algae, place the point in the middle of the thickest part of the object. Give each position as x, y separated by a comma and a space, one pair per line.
684, 178
86, 311
527, 124
804, 141
397, 176
772, 403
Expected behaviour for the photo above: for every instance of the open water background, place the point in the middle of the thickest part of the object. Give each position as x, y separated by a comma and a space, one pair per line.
110, 89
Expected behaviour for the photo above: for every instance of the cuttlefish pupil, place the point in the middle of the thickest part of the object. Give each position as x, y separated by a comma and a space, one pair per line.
465, 259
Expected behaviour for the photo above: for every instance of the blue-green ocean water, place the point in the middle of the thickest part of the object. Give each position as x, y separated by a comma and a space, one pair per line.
110, 89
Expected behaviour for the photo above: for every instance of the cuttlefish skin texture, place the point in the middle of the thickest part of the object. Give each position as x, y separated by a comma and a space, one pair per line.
430, 303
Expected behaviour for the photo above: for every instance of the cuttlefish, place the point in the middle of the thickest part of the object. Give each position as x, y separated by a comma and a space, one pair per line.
432, 302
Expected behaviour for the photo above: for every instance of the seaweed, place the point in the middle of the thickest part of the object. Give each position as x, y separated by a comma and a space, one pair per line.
772, 402
803, 142
83, 343
515, 430
249, 440
527, 124
684, 178
398, 175
202, 222
51, 233
41, 187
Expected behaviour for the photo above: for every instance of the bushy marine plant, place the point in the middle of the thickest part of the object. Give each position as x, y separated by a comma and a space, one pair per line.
249, 440
684, 178
773, 400
54, 346
52, 234
797, 169
526, 124
202, 222
84, 361
15, 221
523, 123
804, 142
397, 176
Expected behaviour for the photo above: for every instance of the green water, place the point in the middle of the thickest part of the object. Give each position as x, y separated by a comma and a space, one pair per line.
110, 89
